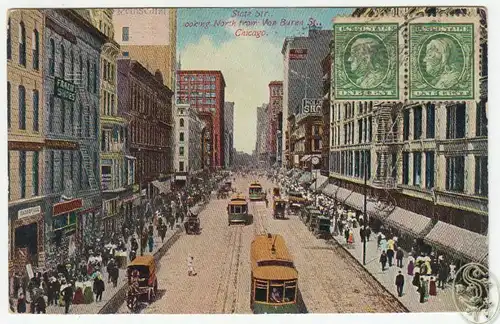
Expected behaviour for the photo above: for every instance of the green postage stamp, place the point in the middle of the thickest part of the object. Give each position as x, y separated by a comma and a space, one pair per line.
366, 61
441, 61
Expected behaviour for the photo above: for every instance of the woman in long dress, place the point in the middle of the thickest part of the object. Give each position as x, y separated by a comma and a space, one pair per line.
351, 237
411, 265
432, 287
416, 279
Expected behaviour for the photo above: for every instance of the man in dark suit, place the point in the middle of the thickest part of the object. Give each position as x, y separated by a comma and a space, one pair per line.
400, 282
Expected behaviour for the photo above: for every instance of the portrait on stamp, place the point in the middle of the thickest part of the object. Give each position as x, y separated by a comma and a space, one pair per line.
441, 58
366, 61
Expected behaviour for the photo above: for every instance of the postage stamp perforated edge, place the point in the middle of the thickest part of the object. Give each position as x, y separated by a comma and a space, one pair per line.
399, 46
471, 19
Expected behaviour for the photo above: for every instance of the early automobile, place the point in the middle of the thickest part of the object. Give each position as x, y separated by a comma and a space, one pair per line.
237, 210
279, 208
142, 281
312, 218
305, 213
192, 223
322, 228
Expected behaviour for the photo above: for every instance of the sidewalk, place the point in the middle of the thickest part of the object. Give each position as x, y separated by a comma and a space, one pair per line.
110, 291
443, 302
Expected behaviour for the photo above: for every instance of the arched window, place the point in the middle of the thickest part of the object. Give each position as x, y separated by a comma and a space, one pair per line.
63, 62
35, 46
9, 41
181, 122
36, 110
52, 57
22, 44
8, 104
22, 107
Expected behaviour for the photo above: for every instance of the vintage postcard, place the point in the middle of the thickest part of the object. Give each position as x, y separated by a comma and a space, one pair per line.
248, 160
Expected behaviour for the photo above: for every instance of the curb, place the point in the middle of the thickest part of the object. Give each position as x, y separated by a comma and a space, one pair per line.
117, 300
371, 275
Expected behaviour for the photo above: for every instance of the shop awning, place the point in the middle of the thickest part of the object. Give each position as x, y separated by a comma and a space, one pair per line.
163, 187
318, 182
130, 157
469, 245
409, 222
330, 190
131, 198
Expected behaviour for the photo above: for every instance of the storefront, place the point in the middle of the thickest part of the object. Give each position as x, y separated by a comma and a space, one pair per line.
27, 232
64, 228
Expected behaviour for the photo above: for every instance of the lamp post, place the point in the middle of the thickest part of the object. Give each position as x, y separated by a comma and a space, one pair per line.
364, 209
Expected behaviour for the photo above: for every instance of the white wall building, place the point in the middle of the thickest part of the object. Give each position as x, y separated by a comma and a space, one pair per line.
188, 145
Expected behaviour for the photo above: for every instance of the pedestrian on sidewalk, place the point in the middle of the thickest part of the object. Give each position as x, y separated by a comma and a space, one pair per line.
400, 282
346, 235
150, 243
21, 304
383, 260
67, 294
390, 256
362, 233
351, 237
411, 264
399, 257
383, 243
368, 232
443, 275
422, 290
432, 287
98, 288
191, 271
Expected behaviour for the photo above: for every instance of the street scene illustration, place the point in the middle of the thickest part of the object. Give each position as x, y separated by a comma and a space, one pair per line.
248, 161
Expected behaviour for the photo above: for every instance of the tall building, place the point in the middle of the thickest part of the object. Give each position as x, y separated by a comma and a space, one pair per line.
427, 163
116, 190
228, 133
275, 120
261, 147
72, 165
149, 35
147, 105
205, 92
302, 76
188, 145
25, 122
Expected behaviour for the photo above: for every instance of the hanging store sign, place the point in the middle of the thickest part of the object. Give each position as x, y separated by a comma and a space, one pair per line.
297, 54
311, 106
29, 212
64, 89
66, 207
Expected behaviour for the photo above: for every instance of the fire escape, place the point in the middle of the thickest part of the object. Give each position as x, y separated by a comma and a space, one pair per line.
388, 149
85, 140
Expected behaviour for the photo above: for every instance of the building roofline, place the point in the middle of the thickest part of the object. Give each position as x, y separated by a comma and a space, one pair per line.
87, 25
276, 83
137, 66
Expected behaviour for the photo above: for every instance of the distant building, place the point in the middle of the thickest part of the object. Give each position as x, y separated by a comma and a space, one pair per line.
228, 133
149, 35
205, 92
303, 79
275, 117
261, 147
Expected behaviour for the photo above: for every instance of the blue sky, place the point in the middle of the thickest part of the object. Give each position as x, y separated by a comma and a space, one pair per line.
247, 63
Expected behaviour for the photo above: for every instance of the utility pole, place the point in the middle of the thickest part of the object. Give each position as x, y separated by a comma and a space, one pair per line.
364, 216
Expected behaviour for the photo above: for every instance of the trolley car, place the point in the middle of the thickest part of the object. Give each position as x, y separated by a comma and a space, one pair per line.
237, 210
274, 277
255, 191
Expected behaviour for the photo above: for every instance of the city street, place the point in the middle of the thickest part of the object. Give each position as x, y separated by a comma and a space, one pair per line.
330, 280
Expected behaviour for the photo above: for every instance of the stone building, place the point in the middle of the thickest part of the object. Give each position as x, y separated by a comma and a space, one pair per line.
146, 103
425, 162
71, 105
25, 116
116, 188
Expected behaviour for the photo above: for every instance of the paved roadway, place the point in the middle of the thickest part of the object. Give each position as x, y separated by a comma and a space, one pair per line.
330, 280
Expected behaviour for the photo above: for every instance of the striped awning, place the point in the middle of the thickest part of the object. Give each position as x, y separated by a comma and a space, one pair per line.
318, 182
464, 243
409, 222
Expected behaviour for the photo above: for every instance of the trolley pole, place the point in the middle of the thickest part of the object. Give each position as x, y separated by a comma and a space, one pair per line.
364, 209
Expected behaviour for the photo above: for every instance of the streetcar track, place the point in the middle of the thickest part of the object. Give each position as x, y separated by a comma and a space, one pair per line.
238, 232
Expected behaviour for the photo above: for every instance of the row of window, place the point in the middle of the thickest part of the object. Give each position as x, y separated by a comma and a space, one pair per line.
90, 72
106, 29
455, 174
144, 132
112, 136
147, 103
199, 86
22, 109
351, 163
418, 132
417, 171
199, 78
23, 168
35, 45
66, 167
71, 122
349, 110
108, 103
108, 71
200, 94
149, 163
